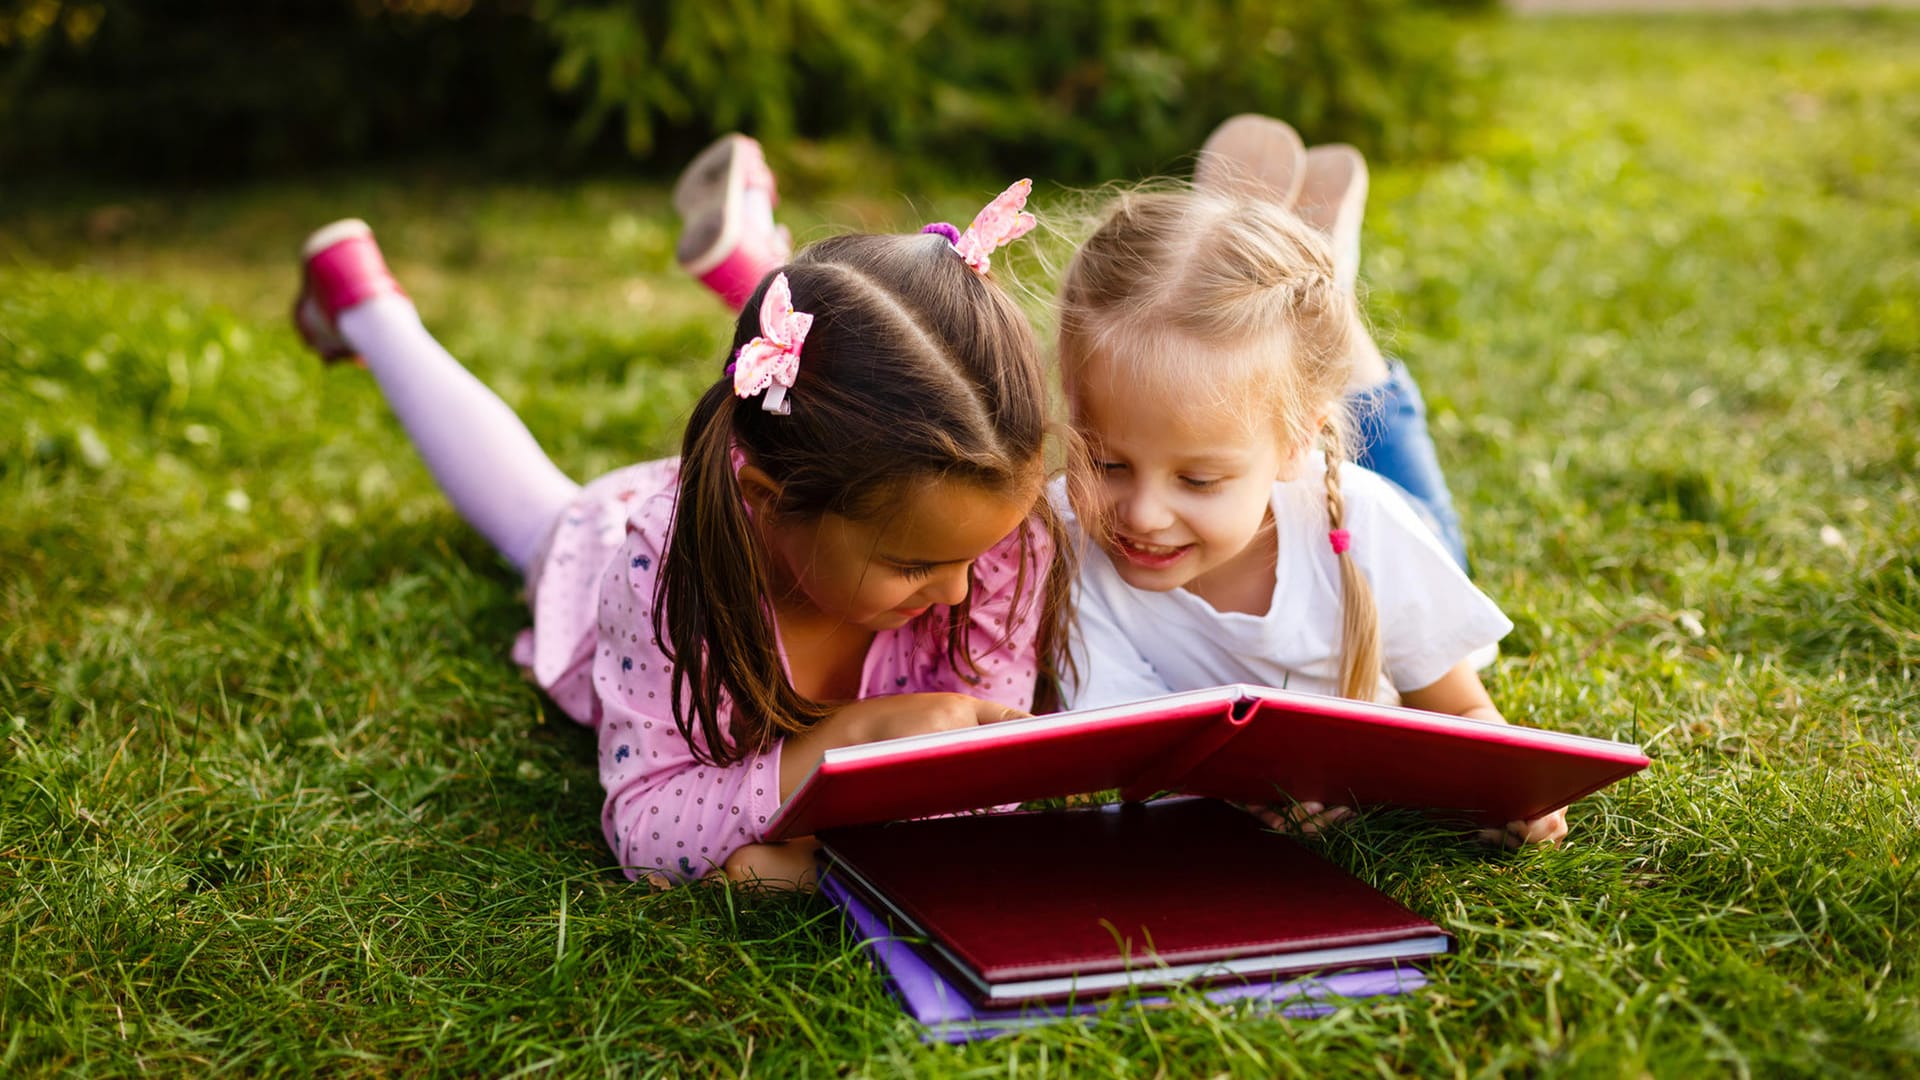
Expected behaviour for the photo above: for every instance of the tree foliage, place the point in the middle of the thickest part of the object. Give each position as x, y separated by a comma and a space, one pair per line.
1075, 91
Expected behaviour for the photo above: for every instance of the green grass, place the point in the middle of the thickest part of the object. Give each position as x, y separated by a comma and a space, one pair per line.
273, 799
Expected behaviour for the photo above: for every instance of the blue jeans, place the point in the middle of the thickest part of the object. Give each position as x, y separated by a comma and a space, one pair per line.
1390, 421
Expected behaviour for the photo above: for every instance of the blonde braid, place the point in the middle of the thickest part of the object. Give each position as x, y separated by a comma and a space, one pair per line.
1360, 659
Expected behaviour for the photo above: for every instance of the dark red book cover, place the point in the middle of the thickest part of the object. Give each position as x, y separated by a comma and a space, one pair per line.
1246, 743
1014, 902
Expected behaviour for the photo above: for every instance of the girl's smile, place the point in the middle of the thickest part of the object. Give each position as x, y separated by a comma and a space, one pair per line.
1150, 556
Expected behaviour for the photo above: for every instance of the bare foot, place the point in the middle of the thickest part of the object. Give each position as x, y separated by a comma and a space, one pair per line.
1253, 155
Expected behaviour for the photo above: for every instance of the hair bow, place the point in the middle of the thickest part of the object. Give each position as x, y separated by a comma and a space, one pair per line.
998, 224
771, 362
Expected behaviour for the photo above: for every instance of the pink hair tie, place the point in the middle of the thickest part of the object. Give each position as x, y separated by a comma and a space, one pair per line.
771, 362
941, 228
1341, 540
998, 224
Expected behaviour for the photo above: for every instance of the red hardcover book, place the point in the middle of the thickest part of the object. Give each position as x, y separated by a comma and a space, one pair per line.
1043, 906
1242, 743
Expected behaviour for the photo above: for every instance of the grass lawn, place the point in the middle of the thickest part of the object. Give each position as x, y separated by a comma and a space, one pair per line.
272, 797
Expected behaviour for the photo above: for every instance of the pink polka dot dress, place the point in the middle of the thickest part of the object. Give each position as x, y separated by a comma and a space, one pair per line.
592, 648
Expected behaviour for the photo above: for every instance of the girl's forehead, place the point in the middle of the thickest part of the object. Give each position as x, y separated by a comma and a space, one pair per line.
1113, 397
940, 520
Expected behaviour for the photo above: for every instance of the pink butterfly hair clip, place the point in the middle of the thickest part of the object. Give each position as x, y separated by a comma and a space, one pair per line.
771, 362
998, 224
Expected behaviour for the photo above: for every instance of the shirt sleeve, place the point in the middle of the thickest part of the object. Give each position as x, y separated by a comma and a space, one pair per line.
666, 811
1107, 668
1432, 616
1009, 602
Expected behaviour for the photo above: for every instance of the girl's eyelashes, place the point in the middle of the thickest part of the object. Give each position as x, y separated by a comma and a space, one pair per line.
1191, 483
915, 573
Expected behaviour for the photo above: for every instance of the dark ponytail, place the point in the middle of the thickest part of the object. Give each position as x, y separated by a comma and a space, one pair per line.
710, 609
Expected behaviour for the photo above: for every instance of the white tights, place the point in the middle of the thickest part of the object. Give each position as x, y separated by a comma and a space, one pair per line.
482, 456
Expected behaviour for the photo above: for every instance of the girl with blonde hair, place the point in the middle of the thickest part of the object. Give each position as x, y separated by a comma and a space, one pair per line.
1208, 345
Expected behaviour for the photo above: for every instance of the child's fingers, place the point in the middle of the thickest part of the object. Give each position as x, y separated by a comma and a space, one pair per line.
993, 712
1266, 815
1545, 829
1307, 818
1316, 818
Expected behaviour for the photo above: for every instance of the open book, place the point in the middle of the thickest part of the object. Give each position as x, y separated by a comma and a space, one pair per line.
1239, 743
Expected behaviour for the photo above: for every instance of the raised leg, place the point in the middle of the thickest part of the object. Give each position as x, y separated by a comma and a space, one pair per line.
483, 457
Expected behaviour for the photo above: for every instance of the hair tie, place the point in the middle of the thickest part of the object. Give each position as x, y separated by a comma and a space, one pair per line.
1341, 540
998, 224
941, 228
771, 362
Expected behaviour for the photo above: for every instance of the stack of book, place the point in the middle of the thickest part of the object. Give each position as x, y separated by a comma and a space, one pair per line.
993, 922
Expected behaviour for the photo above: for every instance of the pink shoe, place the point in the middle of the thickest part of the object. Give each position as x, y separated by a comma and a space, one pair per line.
726, 198
1253, 155
342, 266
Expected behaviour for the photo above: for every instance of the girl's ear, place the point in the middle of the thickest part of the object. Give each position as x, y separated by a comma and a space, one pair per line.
762, 492
1291, 460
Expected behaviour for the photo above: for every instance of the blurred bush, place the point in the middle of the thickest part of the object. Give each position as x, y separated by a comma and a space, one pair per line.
203, 89
1083, 90
1078, 91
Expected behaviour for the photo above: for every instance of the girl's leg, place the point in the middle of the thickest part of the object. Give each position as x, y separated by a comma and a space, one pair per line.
1390, 419
1382, 397
1327, 186
482, 456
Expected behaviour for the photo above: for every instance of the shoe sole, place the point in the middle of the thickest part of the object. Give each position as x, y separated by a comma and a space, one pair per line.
711, 174
328, 235
708, 187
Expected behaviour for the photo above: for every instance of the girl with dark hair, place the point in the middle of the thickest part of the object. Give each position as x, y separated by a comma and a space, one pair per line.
854, 543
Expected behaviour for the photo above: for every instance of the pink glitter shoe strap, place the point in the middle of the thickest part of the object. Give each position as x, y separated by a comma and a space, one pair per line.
348, 273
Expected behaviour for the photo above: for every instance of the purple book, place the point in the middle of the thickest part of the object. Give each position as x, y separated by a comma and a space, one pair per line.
948, 1016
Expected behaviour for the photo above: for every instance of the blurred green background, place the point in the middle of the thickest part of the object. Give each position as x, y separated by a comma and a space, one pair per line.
205, 89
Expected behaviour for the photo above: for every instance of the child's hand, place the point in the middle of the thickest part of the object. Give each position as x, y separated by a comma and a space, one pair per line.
1545, 829
1310, 818
899, 715
891, 717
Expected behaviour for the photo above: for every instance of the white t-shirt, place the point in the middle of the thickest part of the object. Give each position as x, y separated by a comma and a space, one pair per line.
1131, 644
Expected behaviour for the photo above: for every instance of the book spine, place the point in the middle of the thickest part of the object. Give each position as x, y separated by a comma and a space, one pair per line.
1167, 776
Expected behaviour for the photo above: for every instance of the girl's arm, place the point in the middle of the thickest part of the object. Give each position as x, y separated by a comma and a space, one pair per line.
671, 817
873, 719
1457, 693
1460, 693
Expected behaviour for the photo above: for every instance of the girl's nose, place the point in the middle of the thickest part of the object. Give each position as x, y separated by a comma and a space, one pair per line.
1141, 512
949, 585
